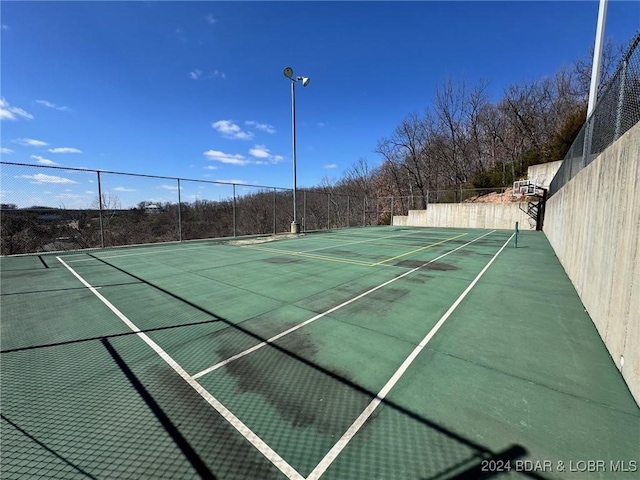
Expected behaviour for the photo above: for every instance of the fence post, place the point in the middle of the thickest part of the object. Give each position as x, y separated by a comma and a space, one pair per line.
348, 211
426, 201
179, 212
274, 212
377, 210
234, 209
100, 210
364, 212
586, 148
328, 211
304, 210
620, 99
391, 217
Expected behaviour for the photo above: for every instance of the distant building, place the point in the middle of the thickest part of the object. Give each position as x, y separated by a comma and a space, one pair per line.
152, 208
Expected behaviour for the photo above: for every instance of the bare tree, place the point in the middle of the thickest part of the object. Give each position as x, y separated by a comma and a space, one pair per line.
583, 66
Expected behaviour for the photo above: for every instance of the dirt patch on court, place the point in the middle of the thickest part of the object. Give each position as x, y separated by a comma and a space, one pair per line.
419, 278
258, 240
440, 266
409, 263
282, 260
302, 392
381, 302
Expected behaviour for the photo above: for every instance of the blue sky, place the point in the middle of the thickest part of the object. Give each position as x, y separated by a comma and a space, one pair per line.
196, 89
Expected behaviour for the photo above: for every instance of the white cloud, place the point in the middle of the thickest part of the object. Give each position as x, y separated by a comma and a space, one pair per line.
265, 127
229, 158
48, 104
169, 187
124, 189
6, 151
260, 151
42, 178
43, 161
228, 129
64, 150
330, 165
30, 142
199, 74
7, 112
210, 167
321, 124
211, 20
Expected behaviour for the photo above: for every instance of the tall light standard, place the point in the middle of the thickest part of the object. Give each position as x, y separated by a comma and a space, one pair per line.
288, 72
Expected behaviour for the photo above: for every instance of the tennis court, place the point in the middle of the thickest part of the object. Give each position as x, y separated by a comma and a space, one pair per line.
377, 352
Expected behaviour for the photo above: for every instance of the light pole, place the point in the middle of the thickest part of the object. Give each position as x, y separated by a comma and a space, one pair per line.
288, 72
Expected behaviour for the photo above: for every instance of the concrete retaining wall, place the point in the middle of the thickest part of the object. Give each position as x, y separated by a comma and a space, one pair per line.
468, 215
543, 172
593, 224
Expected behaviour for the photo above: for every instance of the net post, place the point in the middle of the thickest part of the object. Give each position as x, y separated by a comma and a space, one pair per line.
516, 235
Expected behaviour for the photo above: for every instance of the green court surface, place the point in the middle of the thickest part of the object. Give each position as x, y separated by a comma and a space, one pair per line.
369, 353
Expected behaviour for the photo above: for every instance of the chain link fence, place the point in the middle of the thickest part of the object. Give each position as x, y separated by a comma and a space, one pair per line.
46, 209
617, 110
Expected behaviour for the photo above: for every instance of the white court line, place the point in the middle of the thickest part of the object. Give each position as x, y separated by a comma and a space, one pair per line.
364, 416
256, 441
331, 310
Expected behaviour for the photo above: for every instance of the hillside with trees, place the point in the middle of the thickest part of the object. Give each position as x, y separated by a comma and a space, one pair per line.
463, 140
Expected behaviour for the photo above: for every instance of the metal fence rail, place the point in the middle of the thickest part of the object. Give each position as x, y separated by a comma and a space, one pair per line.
617, 110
